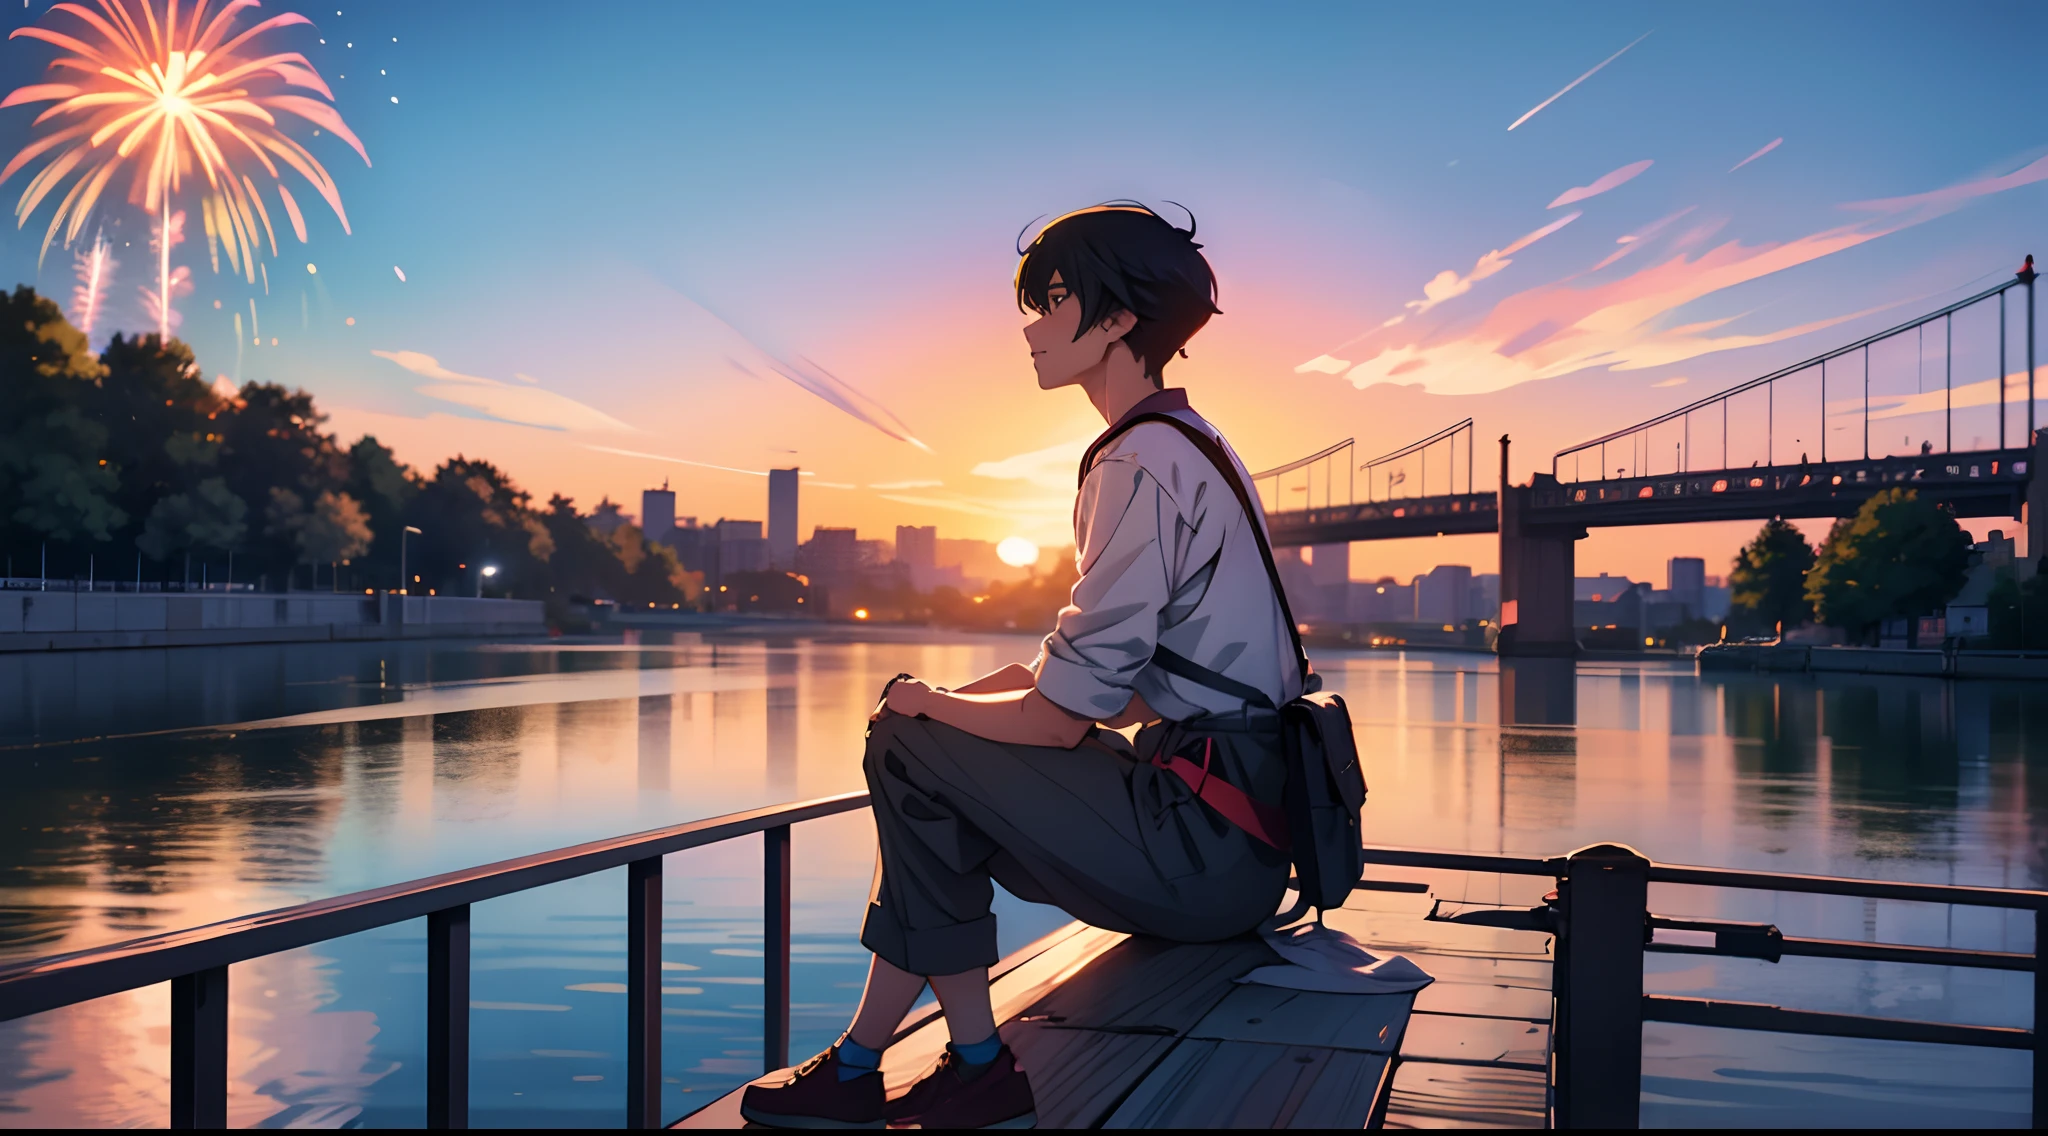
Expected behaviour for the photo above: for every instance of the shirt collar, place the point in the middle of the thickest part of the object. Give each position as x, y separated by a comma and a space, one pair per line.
1158, 402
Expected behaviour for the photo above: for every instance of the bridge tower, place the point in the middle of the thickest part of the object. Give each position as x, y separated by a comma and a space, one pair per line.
1537, 564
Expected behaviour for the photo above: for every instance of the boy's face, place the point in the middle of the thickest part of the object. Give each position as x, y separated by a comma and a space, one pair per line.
1060, 359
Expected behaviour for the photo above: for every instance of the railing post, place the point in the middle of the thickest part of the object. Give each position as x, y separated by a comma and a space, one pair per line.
775, 948
199, 1049
2040, 1018
643, 993
1599, 1057
448, 1018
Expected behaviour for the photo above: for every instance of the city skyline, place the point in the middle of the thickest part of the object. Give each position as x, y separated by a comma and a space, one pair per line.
1378, 229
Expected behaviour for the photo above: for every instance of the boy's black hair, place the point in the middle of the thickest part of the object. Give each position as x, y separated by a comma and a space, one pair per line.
1122, 257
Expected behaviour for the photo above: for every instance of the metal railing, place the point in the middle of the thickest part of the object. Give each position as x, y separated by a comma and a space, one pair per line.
1393, 468
1305, 476
1696, 437
1603, 925
195, 961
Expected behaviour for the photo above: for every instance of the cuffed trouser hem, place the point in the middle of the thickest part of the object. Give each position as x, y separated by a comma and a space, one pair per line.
931, 950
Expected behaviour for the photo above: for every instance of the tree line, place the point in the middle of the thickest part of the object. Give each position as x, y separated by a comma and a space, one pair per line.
1899, 555
128, 462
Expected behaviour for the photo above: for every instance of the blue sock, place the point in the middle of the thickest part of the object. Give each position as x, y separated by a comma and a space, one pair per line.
981, 1052
857, 1060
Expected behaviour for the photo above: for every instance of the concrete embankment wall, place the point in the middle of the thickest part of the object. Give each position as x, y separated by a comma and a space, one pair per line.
60, 621
1874, 660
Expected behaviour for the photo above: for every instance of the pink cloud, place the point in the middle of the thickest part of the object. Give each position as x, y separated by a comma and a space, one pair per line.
1768, 147
1601, 185
1943, 200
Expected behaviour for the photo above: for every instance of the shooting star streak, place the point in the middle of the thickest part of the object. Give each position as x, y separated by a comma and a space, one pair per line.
817, 380
1768, 147
1577, 81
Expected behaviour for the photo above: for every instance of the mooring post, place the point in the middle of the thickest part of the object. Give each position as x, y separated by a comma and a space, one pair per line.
1599, 1046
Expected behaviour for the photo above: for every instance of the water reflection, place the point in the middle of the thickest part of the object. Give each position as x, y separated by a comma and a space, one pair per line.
378, 763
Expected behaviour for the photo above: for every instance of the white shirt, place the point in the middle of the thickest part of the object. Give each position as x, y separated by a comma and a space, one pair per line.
1166, 556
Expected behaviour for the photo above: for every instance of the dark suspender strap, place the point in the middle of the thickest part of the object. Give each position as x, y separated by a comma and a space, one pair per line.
1221, 460
1174, 663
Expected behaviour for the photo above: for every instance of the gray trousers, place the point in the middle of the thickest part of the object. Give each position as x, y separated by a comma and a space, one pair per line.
1095, 830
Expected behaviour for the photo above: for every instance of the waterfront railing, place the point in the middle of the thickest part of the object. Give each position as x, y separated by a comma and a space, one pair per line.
195, 961
1599, 916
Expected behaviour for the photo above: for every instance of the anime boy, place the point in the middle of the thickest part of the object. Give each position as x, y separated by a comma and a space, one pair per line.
1016, 777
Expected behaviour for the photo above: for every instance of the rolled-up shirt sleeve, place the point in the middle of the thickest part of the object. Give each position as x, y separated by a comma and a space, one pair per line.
1106, 633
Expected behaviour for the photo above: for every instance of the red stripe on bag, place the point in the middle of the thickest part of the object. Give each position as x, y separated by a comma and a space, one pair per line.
1240, 808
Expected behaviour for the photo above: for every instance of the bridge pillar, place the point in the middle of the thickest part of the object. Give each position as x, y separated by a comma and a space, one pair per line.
1536, 570
2037, 500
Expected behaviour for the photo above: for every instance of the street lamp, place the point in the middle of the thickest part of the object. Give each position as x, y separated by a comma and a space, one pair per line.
486, 570
404, 581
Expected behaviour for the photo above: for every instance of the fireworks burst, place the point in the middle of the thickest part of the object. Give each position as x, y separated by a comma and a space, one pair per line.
158, 90
171, 282
95, 270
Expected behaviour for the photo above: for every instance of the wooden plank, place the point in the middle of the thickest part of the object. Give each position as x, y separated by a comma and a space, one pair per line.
1455, 1038
1485, 1000
1079, 1075
1366, 1022
1150, 985
1018, 980
1429, 1095
1241, 1084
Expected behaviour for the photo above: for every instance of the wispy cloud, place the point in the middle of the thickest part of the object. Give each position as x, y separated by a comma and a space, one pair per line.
1576, 82
1944, 200
1053, 467
1623, 324
1768, 147
1673, 381
1630, 242
675, 460
1601, 184
911, 484
523, 405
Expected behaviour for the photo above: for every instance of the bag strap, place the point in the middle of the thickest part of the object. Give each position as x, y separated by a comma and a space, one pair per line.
1221, 460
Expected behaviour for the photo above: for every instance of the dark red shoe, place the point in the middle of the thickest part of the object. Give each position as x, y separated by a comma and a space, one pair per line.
812, 1096
954, 1095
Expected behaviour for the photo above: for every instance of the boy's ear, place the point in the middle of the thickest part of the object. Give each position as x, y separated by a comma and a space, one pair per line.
1120, 324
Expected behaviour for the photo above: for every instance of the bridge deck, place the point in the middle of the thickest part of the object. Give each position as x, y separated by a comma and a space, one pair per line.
1122, 1032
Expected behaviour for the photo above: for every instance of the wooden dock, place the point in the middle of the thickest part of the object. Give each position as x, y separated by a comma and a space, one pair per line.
1129, 1032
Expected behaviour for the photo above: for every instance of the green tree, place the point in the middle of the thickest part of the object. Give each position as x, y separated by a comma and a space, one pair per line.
1899, 555
385, 487
471, 514
54, 477
162, 422
332, 530
1767, 587
209, 518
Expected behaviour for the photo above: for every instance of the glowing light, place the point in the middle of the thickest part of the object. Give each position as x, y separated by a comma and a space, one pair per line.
312, 270
350, 321
161, 90
1017, 552
492, 570
401, 273
95, 268
858, 613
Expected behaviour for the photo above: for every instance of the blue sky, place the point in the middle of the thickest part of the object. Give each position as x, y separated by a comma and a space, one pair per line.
611, 218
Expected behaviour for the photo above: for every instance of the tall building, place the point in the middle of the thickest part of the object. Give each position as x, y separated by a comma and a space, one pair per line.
658, 513
740, 547
831, 552
1686, 579
918, 546
782, 518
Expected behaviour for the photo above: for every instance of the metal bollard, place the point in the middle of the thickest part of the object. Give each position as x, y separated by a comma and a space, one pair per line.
1598, 1039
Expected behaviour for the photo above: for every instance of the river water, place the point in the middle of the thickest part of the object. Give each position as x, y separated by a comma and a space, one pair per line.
151, 790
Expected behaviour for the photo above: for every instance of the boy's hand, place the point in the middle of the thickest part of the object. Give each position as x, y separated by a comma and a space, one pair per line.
906, 696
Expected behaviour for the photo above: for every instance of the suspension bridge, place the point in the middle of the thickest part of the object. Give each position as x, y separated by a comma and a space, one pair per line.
1814, 439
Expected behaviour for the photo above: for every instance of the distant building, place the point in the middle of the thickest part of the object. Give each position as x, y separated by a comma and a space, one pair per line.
1384, 600
1685, 577
918, 546
831, 552
657, 513
1485, 597
782, 484
1600, 589
1444, 596
741, 547
696, 548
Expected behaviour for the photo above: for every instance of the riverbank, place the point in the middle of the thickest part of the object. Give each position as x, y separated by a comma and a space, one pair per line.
1926, 663
91, 621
